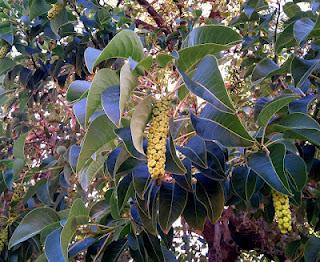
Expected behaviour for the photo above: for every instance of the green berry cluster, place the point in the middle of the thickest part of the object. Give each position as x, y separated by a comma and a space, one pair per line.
4, 49
3, 238
156, 152
283, 213
55, 10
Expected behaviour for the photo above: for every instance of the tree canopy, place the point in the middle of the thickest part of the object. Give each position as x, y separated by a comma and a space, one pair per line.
121, 119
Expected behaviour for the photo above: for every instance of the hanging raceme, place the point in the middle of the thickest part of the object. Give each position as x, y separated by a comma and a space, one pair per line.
158, 132
55, 10
4, 49
3, 238
282, 212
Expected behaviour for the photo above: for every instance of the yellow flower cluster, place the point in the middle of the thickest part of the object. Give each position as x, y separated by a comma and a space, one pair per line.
3, 238
18, 193
156, 152
55, 10
283, 213
4, 50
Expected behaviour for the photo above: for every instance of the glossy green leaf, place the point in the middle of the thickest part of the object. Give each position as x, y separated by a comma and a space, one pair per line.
31, 225
243, 182
291, 9
6, 64
172, 201
99, 135
204, 40
88, 173
312, 249
299, 126
102, 80
296, 168
125, 44
210, 194
18, 147
90, 57
76, 90
78, 215
52, 247
223, 127
153, 247
173, 163
302, 28
271, 167
128, 81
301, 69
37, 8
263, 69
139, 120
285, 39
194, 213
271, 108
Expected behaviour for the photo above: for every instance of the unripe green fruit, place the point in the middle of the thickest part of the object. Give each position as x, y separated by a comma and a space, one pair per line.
61, 150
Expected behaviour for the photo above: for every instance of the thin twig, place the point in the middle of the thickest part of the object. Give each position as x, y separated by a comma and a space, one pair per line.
276, 30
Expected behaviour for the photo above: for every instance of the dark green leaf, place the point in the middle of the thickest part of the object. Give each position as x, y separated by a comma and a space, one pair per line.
103, 79
32, 224
52, 247
76, 90
271, 108
312, 250
210, 194
302, 28
270, 167
78, 215
100, 134
172, 200
125, 44
194, 213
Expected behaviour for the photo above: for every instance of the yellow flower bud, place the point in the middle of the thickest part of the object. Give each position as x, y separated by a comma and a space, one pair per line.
282, 210
158, 132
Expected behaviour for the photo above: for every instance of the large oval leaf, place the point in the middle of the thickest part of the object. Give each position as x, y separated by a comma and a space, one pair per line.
76, 89
273, 107
271, 167
139, 120
202, 91
110, 103
312, 249
296, 168
78, 215
205, 40
103, 79
172, 200
32, 224
125, 44
194, 213
228, 130
100, 134
301, 69
210, 194
52, 248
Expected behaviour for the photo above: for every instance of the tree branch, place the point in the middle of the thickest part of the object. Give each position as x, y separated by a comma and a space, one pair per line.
154, 14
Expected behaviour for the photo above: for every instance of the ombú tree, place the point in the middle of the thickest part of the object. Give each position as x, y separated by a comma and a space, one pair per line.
114, 127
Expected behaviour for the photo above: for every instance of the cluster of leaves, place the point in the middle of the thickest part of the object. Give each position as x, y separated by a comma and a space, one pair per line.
96, 195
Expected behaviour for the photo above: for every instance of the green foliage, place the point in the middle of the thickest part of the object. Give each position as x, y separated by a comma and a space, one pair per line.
77, 88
